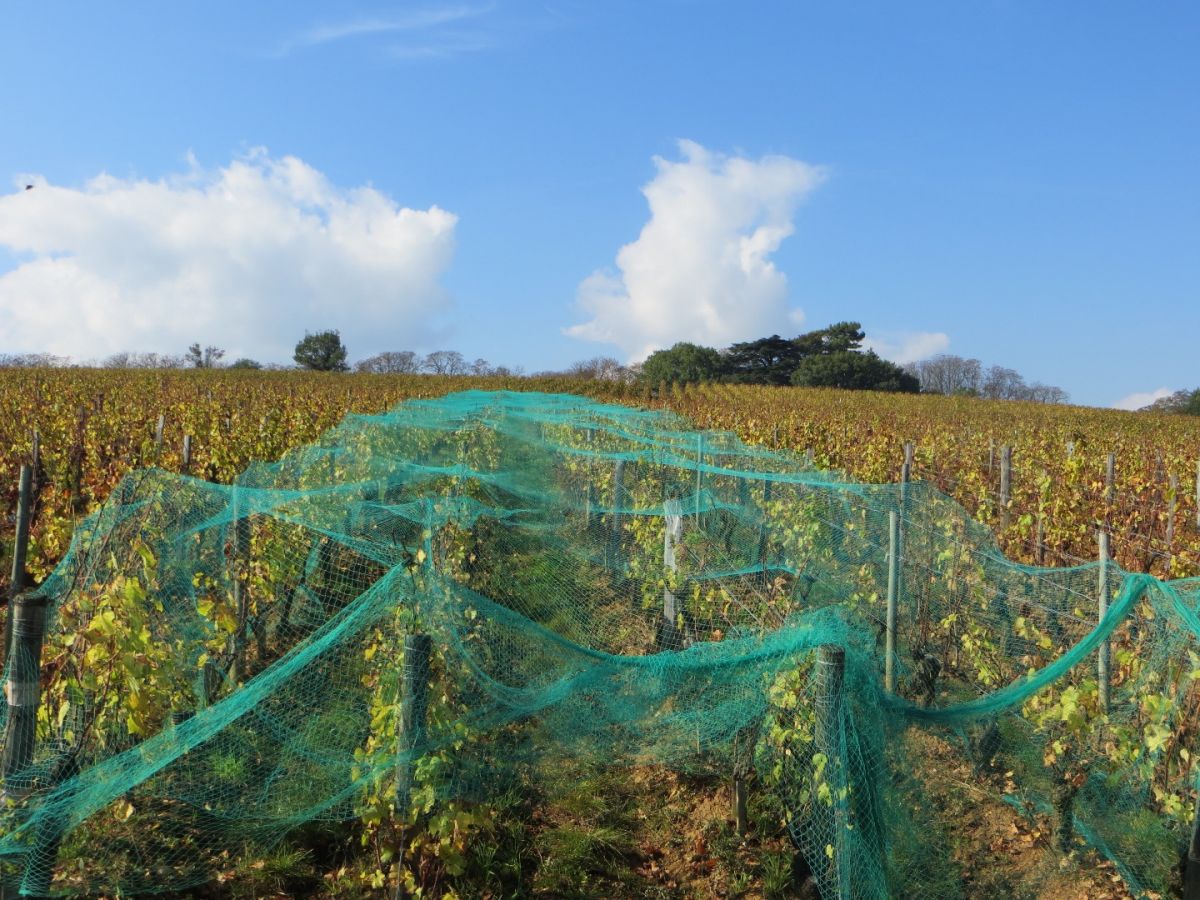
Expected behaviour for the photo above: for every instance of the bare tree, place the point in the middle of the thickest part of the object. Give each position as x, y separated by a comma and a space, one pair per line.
391, 362
126, 360
1000, 383
481, 367
948, 374
1043, 393
599, 368
445, 362
32, 361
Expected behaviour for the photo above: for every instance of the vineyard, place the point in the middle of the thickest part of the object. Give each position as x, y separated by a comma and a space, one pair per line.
266, 632
93, 427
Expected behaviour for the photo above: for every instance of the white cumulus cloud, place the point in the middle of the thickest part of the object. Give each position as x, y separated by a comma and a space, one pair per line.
906, 347
246, 257
1143, 398
701, 268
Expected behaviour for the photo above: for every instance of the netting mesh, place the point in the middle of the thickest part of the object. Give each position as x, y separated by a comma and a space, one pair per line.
225, 664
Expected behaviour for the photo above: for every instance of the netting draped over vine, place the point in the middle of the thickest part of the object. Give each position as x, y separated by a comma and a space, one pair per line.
224, 664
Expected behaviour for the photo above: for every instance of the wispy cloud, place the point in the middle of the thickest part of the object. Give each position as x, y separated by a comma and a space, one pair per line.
443, 45
430, 22
906, 347
1142, 398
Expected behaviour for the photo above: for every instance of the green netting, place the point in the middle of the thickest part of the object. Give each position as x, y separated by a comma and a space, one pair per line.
224, 664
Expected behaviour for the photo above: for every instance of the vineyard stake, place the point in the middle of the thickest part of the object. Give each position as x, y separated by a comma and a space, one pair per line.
699, 476
669, 635
905, 478
830, 676
158, 436
618, 490
1191, 876
187, 453
1102, 605
23, 693
744, 740
414, 702
35, 458
1110, 478
20, 549
238, 565
1198, 493
22, 690
740, 818
590, 498
1172, 494
75, 470
762, 532
1005, 483
427, 535
889, 664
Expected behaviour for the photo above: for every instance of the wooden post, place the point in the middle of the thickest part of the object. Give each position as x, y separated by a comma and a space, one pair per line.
23, 691
1172, 495
1110, 478
1039, 546
1102, 607
991, 459
699, 475
48, 835
589, 500
889, 659
414, 702
187, 453
669, 635
1005, 483
614, 541
775, 440
744, 741
905, 478
740, 818
1191, 876
35, 458
158, 437
238, 552
427, 535
20, 548
763, 534
1198, 494
830, 677
75, 462
21, 543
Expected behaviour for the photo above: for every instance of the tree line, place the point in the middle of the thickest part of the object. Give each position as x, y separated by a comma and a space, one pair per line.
1185, 402
834, 357
828, 357
964, 377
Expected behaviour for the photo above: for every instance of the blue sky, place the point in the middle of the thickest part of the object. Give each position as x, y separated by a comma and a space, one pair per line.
1011, 181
